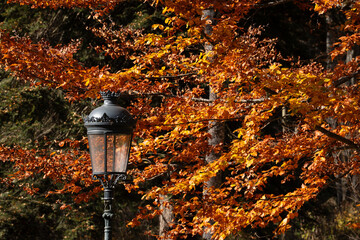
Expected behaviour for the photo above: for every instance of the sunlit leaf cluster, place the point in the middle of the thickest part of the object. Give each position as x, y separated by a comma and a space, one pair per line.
280, 149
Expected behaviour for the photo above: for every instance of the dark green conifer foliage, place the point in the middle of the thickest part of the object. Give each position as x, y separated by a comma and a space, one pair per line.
37, 117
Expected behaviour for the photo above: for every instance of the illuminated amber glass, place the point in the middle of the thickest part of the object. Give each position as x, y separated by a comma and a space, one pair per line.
116, 152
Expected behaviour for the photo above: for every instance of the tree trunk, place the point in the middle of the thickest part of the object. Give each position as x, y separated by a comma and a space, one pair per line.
343, 185
216, 129
166, 217
330, 38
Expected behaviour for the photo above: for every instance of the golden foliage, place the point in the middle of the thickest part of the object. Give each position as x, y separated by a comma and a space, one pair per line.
251, 86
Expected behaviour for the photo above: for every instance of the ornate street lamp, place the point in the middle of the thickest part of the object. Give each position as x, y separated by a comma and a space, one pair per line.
109, 128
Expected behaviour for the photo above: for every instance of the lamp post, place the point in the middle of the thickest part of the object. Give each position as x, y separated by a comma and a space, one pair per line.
109, 128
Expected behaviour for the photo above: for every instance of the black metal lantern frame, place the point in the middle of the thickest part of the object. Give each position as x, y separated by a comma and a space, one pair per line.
110, 129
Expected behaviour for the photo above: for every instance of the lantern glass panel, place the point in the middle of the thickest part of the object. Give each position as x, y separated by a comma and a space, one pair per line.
97, 152
118, 147
116, 151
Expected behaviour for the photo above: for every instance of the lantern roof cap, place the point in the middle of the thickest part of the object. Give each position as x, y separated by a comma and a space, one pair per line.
110, 116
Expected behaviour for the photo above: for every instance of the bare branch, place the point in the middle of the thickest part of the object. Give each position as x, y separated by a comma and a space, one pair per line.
202, 120
256, 100
176, 76
344, 79
337, 137
202, 100
273, 3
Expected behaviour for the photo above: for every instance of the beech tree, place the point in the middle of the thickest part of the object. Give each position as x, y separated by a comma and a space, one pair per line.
169, 83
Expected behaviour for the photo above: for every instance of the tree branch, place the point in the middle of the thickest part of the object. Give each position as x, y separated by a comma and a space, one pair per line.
255, 100
344, 79
176, 76
273, 3
337, 137
202, 120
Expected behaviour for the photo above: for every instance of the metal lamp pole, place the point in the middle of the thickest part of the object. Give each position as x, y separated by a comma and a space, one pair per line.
110, 129
109, 185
